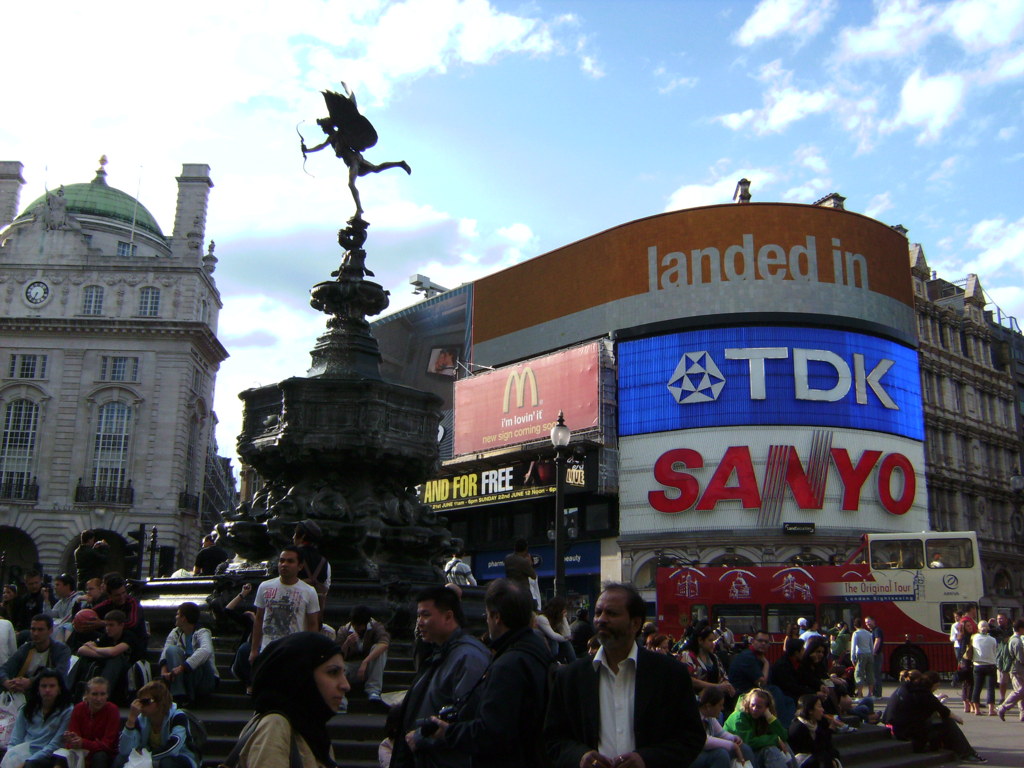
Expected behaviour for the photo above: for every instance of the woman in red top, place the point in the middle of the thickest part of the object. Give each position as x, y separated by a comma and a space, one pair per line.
95, 724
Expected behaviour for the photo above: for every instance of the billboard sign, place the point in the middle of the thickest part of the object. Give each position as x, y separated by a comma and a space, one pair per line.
769, 375
520, 403
582, 558
511, 482
758, 477
801, 260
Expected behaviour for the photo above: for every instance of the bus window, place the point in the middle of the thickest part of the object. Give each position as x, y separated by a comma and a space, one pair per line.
949, 553
698, 613
741, 618
832, 613
946, 611
781, 616
897, 553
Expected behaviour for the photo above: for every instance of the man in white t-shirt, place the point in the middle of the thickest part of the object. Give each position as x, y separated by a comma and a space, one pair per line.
284, 605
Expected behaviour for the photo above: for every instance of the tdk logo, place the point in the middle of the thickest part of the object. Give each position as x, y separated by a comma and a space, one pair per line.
817, 374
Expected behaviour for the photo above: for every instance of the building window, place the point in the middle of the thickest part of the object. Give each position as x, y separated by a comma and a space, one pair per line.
17, 448
92, 300
191, 450
149, 302
119, 369
197, 380
113, 433
127, 249
27, 367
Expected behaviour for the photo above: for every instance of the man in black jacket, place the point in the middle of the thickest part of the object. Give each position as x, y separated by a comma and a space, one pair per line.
627, 707
501, 723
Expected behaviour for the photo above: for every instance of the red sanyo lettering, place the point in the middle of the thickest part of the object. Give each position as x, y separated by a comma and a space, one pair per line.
734, 479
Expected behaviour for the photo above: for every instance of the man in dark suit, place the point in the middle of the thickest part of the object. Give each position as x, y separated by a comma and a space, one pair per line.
627, 707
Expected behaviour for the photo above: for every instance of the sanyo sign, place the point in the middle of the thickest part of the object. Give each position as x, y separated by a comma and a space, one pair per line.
769, 375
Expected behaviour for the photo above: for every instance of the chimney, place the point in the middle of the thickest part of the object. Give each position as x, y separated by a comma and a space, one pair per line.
900, 228
834, 200
190, 215
10, 190
742, 193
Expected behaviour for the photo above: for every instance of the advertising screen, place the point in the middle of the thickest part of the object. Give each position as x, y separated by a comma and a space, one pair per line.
768, 375
520, 403
765, 477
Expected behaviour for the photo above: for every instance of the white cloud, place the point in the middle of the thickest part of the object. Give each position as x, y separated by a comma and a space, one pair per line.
928, 103
878, 205
900, 27
1001, 243
1006, 133
771, 18
783, 104
945, 170
670, 81
980, 25
1005, 65
810, 157
720, 189
807, 192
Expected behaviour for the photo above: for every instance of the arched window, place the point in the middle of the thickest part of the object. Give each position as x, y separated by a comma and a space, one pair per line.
113, 436
149, 302
92, 300
17, 449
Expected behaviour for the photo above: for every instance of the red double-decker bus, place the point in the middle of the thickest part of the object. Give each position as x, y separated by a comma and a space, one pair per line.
910, 583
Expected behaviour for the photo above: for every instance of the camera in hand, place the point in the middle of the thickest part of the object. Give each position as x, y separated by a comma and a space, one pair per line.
428, 727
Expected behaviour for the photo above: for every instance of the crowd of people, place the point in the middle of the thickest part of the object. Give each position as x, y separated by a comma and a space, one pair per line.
533, 690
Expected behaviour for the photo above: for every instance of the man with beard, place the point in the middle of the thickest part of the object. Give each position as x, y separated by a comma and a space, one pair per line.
627, 707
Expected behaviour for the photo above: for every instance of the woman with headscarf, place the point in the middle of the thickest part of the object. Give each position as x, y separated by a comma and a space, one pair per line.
298, 685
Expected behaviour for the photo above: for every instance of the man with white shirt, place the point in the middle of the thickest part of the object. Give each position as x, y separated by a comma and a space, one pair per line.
284, 605
627, 707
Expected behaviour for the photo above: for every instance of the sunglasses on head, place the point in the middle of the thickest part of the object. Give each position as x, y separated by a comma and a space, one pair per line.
145, 702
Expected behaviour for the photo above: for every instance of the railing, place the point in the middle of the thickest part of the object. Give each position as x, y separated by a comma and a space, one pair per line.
189, 501
19, 490
104, 494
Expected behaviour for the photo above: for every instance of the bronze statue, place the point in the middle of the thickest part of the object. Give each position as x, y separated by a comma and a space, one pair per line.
350, 133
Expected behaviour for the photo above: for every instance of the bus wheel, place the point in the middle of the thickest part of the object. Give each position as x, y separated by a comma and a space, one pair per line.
907, 657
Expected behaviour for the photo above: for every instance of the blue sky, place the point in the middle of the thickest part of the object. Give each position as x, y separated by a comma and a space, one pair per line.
528, 126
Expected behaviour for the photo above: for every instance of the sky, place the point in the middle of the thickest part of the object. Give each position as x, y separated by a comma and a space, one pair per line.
527, 125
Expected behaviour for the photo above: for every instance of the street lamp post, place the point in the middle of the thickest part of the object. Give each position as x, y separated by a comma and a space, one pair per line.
560, 437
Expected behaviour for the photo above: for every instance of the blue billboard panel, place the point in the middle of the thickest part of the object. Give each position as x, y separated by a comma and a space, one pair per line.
769, 375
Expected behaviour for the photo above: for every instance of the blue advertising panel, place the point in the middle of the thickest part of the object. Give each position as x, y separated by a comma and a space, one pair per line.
582, 558
769, 375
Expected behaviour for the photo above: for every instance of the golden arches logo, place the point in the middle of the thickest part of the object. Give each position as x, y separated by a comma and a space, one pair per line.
520, 380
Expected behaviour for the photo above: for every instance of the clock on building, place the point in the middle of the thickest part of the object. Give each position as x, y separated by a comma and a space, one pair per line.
37, 292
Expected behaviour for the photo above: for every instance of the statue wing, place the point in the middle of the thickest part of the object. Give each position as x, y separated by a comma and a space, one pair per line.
357, 131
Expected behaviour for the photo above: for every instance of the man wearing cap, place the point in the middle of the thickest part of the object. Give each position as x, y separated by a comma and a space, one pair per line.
315, 570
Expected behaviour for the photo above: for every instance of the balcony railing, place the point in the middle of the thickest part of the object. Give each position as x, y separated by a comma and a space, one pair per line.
19, 490
104, 494
189, 501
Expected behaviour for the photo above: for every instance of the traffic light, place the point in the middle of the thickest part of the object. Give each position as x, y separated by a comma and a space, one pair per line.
133, 552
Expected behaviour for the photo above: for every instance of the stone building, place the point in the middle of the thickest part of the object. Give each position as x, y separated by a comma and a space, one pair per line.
971, 425
108, 359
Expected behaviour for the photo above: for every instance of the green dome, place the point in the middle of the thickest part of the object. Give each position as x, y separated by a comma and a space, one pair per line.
98, 199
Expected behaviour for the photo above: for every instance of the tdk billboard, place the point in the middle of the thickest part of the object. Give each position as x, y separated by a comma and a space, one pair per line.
768, 375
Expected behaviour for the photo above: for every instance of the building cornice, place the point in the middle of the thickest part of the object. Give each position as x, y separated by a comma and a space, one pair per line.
198, 333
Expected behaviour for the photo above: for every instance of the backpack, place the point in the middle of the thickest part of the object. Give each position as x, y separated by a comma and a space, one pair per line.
195, 732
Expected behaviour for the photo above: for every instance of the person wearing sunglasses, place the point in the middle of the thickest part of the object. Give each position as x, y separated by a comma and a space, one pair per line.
152, 725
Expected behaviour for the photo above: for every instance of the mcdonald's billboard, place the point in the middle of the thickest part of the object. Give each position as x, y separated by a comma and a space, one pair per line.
520, 403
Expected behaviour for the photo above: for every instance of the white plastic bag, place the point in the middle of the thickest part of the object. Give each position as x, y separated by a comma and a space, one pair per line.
737, 763
140, 759
10, 705
535, 591
16, 756
75, 757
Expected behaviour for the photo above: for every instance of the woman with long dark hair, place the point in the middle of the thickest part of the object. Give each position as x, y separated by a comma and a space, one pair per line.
810, 735
554, 627
44, 718
706, 669
298, 684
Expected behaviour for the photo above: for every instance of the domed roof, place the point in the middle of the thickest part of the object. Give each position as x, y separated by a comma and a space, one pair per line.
99, 199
